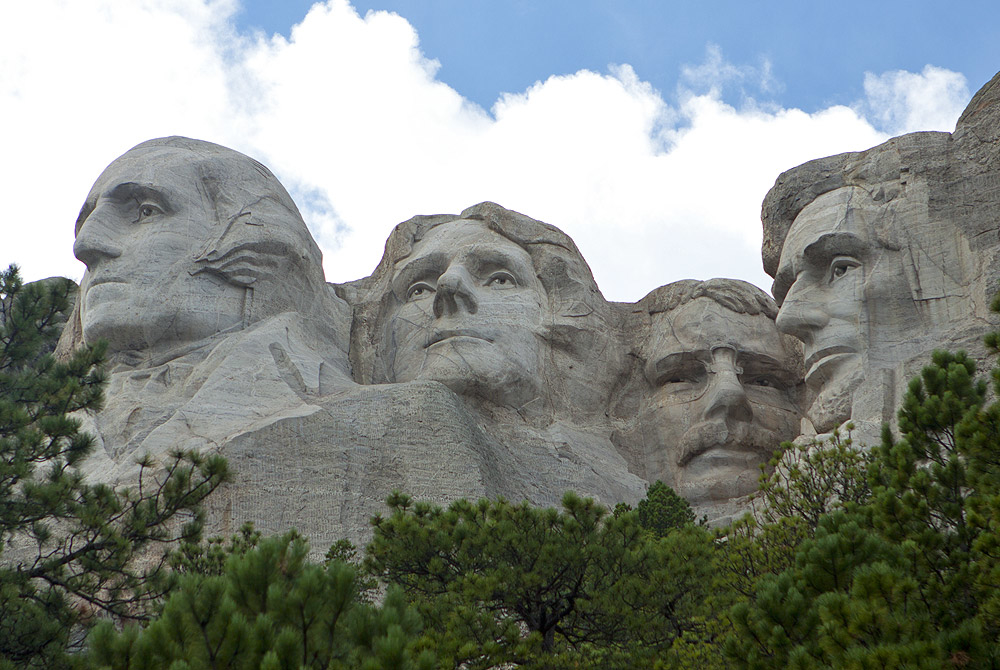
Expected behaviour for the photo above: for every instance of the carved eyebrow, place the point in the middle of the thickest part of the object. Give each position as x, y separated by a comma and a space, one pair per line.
486, 257
122, 193
656, 368
820, 250
754, 362
88, 207
133, 191
418, 268
835, 244
782, 282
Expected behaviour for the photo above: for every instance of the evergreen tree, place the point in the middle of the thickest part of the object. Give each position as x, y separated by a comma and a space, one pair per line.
662, 510
70, 550
908, 578
499, 583
272, 609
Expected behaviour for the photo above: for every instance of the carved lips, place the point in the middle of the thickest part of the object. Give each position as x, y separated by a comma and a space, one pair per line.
823, 364
104, 280
443, 335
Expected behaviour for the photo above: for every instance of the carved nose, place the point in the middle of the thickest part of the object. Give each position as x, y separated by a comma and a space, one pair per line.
454, 293
800, 317
94, 241
727, 401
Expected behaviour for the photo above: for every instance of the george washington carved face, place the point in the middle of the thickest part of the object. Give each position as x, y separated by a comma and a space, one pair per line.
145, 222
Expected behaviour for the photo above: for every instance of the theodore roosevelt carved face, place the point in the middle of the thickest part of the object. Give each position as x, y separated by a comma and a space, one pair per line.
468, 313
721, 391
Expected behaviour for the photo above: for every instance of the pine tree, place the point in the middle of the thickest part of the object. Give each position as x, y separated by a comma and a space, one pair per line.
908, 579
70, 549
269, 608
499, 583
662, 510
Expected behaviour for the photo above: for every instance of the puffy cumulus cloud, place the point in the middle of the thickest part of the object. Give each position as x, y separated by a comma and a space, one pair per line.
903, 102
349, 113
81, 82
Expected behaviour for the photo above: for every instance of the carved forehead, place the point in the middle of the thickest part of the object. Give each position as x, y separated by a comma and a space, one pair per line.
464, 239
166, 172
702, 325
845, 211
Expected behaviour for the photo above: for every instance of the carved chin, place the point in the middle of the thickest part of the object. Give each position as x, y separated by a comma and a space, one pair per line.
834, 403
505, 384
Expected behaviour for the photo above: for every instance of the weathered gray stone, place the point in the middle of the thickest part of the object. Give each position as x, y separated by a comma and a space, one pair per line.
225, 337
209, 288
714, 390
881, 256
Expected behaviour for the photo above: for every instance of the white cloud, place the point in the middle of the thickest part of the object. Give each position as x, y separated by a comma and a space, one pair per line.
348, 112
716, 73
903, 102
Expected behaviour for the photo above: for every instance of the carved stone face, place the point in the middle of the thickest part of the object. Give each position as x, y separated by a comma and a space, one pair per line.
145, 221
722, 399
468, 312
826, 260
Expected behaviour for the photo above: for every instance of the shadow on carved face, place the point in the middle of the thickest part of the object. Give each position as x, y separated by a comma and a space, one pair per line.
827, 259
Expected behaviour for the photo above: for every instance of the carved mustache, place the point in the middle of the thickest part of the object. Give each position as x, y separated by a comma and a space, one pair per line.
708, 435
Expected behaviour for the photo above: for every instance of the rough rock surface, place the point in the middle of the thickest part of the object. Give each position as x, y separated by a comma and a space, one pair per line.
881, 256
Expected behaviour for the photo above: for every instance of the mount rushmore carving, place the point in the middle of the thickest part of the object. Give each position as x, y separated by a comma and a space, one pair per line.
480, 358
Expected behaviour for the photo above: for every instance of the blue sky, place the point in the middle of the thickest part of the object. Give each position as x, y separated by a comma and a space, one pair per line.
648, 131
817, 50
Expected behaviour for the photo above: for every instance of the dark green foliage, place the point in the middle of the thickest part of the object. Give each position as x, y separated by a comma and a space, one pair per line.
906, 578
502, 583
70, 550
209, 557
272, 609
662, 510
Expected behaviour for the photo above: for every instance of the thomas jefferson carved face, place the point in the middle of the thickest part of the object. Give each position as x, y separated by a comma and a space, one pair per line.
145, 221
468, 312
722, 399
826, 260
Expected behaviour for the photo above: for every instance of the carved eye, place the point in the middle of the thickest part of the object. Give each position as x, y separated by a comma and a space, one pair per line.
418, 290
683, 374
501, 279
765, 381
841, 266
148, 210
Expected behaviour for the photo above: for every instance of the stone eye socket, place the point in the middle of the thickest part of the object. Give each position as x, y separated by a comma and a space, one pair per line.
502, 279
419, 290
147, 210
761, 381
839, 267
687, 373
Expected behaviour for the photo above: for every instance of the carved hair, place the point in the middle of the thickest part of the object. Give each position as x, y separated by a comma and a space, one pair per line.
733, 294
